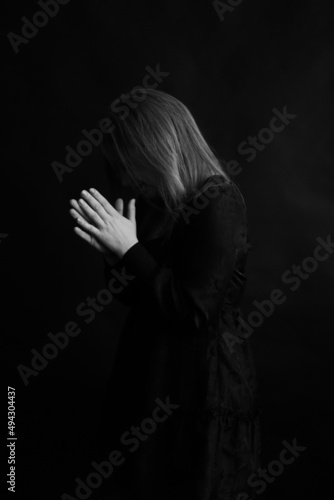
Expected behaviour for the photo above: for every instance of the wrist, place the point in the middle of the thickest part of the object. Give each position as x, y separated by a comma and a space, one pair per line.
126, 247
111, 259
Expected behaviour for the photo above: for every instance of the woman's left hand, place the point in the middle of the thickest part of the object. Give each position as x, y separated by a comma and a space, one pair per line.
111, 229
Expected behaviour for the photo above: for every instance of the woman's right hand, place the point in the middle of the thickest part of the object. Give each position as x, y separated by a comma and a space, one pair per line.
109, 256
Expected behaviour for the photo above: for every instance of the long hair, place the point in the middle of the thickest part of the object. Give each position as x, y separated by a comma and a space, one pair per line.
159, 144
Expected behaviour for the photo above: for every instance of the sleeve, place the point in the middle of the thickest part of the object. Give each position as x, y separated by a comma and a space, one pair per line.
121, 282
118, 278
192, 289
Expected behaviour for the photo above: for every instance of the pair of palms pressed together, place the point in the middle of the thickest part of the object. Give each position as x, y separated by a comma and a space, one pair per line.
104, 227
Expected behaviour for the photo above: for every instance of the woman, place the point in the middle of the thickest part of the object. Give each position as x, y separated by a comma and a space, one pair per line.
183, 400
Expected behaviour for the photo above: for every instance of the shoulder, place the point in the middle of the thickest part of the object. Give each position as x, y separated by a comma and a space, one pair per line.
220, 188
215, 203
218, 195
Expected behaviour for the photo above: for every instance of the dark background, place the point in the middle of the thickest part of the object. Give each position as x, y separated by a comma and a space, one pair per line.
231, 75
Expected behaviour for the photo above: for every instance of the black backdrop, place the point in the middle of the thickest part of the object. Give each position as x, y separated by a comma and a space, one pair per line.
231, 73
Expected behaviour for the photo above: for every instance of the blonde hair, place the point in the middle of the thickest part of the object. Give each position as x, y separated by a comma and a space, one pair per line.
160, 144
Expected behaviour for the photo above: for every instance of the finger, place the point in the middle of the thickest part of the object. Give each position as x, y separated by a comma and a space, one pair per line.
102, 200
91, 213
119, 205
85, 236
87, 227
77, 208
95, 204
91, 240
132, 210
75, 214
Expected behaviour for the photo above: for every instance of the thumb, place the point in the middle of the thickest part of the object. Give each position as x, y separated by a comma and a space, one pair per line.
119, 205
132, 211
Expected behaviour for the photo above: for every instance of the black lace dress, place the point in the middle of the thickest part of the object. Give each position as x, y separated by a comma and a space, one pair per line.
181, 402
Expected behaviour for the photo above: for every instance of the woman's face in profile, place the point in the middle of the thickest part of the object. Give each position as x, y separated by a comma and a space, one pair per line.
111, 155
